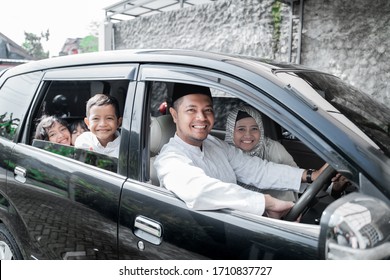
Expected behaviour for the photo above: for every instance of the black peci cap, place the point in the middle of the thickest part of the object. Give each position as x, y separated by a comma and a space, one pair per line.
180, 90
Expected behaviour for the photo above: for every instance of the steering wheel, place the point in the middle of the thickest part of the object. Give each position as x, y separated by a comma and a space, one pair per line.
309, 195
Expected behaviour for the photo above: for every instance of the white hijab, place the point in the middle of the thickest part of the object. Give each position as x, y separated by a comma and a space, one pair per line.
259, 149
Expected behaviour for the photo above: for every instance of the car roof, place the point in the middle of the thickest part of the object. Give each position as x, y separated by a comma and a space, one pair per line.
230, 63
245, 67
175, 56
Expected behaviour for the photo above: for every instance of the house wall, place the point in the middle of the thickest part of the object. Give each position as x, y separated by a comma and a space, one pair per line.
351, 40
346, 38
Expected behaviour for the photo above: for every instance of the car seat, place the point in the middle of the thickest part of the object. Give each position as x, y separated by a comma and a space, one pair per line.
162, 128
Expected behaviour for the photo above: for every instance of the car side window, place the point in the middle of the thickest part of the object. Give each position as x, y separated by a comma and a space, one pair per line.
162, 127
16, 95
67, 100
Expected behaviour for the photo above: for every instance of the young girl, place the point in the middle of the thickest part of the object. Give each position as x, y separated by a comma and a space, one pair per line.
53, 129
76, 128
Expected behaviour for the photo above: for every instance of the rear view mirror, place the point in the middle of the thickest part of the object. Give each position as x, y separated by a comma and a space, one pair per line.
355, 227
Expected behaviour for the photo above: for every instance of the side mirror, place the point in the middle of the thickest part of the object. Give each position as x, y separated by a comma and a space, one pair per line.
355, 227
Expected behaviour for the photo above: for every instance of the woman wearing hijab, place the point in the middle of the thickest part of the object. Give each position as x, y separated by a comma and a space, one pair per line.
244, 129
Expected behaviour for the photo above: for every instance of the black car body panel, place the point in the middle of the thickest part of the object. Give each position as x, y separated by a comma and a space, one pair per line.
65, 203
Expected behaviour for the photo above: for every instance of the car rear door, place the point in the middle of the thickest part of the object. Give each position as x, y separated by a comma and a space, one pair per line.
68, 208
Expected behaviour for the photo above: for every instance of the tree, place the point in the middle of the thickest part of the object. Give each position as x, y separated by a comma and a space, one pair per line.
33, 45
89, 44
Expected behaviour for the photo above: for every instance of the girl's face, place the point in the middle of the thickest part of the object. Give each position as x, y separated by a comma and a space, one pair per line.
76, 133
59, 133
246, 134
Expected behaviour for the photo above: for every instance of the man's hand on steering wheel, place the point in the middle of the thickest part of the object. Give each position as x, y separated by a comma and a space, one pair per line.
321, 177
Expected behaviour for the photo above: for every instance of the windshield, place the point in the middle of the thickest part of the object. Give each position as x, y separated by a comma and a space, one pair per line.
370, 116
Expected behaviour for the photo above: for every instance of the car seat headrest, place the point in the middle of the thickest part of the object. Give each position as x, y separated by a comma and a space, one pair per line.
162, 128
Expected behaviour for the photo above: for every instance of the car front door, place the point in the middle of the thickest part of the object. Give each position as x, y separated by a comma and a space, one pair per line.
155, 224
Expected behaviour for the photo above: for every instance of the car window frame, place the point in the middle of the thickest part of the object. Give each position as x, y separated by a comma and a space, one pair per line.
199, 76
263, 102
124, 71
37, 76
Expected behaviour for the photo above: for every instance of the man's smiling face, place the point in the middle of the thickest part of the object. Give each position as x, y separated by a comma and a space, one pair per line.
194, 118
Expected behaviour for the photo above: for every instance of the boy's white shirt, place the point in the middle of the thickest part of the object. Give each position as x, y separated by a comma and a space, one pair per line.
87, 140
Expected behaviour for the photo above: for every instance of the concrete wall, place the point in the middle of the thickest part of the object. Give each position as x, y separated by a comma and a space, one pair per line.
347, 38
350, 39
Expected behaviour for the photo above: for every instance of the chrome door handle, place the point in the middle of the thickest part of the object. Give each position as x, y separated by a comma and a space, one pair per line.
148, 230
20, 174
